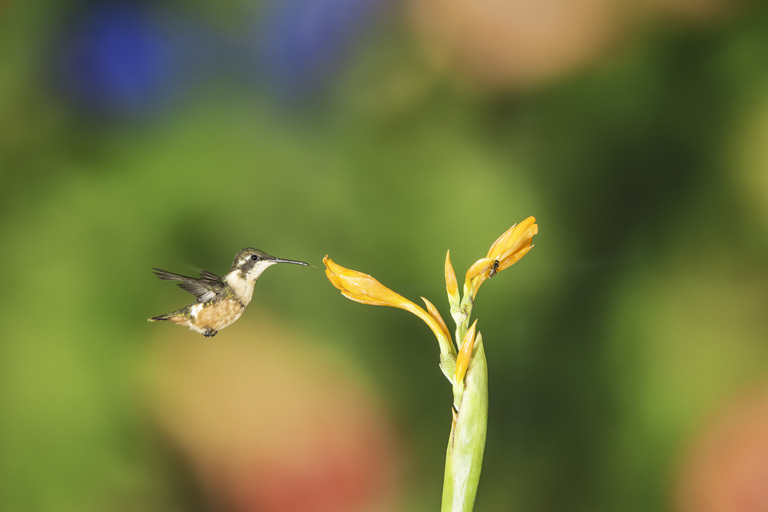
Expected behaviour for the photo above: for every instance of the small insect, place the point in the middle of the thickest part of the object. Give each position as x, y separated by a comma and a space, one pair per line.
220, 300
494, 269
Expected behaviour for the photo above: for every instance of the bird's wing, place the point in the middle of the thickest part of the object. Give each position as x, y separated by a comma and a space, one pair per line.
204, 288
209, 276
203, 291
169, 276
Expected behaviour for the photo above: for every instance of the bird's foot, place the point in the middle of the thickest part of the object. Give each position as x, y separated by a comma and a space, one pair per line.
210, 333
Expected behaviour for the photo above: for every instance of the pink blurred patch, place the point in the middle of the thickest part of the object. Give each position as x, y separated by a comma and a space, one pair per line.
726, 469
273, 424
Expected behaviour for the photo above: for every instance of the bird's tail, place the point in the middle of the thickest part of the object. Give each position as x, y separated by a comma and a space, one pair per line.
159, 318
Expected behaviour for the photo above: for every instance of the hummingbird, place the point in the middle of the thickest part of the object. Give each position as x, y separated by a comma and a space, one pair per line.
220, 300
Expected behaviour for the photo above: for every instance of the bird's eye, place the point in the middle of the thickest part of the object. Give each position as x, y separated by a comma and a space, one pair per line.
254, 257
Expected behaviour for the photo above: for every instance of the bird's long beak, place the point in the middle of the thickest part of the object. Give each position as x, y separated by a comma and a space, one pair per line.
295, 262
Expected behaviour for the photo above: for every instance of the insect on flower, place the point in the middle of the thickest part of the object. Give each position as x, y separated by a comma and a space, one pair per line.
494, 269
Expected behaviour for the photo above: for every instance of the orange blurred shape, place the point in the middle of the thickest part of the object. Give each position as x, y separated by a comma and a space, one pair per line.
272, 424
497, 43
726, 468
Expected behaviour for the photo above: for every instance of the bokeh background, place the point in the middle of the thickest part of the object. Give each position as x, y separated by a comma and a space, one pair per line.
627, 352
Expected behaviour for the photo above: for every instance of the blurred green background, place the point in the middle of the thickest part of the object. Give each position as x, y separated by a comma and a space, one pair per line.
627, 352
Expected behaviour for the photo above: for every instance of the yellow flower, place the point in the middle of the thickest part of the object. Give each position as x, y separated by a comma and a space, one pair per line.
365, 289
513, 244
504, 252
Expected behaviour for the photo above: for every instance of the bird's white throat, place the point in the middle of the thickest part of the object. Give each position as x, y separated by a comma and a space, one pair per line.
242, 285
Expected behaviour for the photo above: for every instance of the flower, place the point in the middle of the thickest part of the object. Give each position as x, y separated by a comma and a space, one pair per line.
361, 287
364, 289
507, 250
467, 371
513, 244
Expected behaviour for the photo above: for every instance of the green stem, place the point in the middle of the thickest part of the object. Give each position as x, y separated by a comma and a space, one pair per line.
461, 315
464, 456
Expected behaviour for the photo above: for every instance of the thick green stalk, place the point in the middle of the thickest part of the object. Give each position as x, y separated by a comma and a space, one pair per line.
464, 457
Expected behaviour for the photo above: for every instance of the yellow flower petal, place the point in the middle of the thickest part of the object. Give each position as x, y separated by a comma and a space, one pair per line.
513, 244
451, 285
479, 268
434, 313
506, 238
513, 258
507, 250
476, 275
365, 289
361, 287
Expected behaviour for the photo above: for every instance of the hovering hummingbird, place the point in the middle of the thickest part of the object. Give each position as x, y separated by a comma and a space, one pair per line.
220, 300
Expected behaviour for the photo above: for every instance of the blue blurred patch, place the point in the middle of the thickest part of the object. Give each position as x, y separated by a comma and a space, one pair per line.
302, 43
122, 60
116, 59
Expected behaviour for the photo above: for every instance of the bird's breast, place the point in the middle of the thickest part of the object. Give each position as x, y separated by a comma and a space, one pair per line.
219, 314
